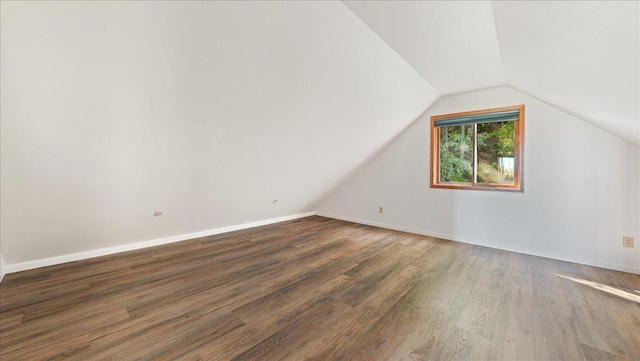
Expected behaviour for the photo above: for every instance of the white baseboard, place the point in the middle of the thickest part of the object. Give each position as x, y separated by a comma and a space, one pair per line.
617, 267
23, 266
44, 262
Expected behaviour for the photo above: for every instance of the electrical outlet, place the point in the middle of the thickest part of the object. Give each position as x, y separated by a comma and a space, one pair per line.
627, 242
157, 213
380, 209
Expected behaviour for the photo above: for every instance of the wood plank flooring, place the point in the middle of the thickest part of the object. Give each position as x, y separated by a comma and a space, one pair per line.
320, 289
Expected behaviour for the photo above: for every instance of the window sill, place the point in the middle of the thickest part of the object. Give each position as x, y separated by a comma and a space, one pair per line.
495, 188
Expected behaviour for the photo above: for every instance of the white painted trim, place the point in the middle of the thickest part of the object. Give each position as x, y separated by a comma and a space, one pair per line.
449, 237
3, 269
44, 262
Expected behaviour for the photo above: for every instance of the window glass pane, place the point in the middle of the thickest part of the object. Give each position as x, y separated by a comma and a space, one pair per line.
495, 153
456, 154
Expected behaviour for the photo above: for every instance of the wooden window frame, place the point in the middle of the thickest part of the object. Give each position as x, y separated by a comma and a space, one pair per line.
518, 174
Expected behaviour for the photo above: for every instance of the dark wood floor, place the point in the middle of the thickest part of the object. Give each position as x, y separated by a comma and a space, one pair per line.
317, 288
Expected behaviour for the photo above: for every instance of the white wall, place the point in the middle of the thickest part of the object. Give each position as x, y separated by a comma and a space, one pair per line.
582, 187
205, 110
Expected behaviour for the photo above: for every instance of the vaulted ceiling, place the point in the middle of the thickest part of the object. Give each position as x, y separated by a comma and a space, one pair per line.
582, 57
210, 111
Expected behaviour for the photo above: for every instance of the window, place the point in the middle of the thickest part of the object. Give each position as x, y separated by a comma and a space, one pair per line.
480, 150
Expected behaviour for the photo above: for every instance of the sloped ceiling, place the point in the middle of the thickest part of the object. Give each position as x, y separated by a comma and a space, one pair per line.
452, 44
582, 57
211, 110
207, 111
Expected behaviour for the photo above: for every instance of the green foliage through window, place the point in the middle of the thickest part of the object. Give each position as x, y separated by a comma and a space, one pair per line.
456, 154
495, 152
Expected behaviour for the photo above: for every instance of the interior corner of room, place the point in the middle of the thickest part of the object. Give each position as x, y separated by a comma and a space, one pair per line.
135, 134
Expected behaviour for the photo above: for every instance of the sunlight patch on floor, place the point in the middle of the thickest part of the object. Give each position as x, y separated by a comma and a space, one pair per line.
599, 286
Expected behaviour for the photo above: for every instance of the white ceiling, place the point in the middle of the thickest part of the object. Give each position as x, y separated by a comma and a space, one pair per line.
451, 44
582, 57
211, 110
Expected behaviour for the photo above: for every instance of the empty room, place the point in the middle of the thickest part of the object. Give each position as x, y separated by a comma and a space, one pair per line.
320, 180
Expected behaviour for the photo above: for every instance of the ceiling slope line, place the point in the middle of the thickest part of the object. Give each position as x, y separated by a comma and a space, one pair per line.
495, 31
395, 51
585, 60
452, 45
564, 110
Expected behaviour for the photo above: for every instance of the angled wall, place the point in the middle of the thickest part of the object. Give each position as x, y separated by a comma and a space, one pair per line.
580, 56
582, 187
452, 44
207, 111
